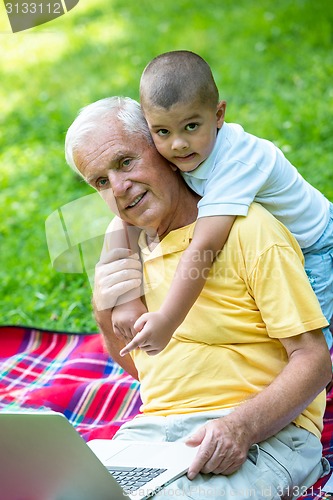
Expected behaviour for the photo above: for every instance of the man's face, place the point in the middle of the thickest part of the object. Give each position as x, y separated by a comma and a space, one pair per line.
135, 181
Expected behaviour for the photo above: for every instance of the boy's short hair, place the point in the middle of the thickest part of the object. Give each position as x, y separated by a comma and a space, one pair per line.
175, 77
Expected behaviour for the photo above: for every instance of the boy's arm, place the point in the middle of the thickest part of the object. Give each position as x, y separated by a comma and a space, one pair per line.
210, 235
111, 283
129, 306
120, 235
156, 329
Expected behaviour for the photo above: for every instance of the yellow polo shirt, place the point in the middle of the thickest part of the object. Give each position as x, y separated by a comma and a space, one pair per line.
227, 349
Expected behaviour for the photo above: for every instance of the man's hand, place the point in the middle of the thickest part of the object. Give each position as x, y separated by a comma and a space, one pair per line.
117, 273
225, 442
155, 331
124, 316
223, 447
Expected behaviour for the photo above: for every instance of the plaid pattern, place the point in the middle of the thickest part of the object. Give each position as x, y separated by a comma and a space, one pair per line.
72, 374
315, 492
68, 373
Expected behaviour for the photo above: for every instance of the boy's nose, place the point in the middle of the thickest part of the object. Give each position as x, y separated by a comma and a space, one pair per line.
178, 144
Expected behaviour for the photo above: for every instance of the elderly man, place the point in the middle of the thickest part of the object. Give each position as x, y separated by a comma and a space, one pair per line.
243, 377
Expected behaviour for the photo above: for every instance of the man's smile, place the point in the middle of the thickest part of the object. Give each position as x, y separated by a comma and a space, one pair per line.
136, 200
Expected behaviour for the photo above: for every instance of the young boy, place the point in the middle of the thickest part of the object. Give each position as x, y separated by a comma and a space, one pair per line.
230, 169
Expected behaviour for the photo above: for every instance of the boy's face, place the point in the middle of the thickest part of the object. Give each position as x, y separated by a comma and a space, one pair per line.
185, 134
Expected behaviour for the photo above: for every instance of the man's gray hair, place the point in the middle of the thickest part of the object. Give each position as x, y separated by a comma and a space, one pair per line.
91, 118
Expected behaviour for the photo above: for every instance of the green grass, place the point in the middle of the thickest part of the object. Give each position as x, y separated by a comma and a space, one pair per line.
272, 63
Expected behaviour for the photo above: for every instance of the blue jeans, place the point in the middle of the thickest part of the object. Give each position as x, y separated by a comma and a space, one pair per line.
319, 269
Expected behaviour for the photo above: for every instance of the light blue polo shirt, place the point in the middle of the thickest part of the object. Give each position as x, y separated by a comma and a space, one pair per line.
243, 168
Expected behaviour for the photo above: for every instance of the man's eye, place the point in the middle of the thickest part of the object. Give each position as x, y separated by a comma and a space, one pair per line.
126, 163
191, 126
102, 183
162, 132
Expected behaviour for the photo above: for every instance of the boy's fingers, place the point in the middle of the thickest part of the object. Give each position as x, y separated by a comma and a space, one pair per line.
130, 347
138, 341
140, 322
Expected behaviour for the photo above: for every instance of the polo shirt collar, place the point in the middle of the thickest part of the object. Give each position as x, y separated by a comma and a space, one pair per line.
176, 241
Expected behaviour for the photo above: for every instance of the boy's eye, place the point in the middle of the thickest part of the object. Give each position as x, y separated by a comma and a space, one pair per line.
191, 126
162, 132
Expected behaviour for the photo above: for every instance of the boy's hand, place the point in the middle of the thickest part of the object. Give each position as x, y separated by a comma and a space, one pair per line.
155, 331
124, 316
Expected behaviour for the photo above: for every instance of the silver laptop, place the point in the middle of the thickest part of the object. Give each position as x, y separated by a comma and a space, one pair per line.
42, 457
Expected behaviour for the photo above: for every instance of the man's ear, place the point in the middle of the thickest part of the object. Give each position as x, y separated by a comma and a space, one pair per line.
220, 113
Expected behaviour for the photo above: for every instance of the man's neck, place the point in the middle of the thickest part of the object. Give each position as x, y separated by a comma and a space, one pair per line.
183, 214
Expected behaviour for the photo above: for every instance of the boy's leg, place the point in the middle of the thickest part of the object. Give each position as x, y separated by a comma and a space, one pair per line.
319, 269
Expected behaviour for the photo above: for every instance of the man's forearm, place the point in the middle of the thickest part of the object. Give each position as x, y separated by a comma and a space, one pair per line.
112, 343
304, 377
225, 442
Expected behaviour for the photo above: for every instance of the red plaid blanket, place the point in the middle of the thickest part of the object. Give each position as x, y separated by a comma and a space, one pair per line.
68, 373
72, 374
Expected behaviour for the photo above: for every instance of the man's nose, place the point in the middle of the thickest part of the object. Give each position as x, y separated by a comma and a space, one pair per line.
119, 182
179, 143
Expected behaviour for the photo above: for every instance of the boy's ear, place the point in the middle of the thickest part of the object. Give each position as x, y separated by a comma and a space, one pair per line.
220, 113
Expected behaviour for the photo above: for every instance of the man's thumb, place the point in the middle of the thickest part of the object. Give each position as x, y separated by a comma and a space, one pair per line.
196, 438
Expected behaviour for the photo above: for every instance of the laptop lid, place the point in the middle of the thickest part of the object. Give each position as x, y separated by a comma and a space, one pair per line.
43, 457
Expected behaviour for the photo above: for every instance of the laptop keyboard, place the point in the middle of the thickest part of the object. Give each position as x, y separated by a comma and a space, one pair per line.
133, 478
